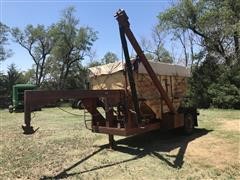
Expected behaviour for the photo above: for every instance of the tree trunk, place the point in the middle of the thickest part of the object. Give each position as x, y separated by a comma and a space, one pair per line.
191, 48
60, 77
183, 42
236, 43
36, 74
65, 75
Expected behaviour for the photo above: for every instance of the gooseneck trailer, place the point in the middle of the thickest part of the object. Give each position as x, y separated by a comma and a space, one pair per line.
126, 98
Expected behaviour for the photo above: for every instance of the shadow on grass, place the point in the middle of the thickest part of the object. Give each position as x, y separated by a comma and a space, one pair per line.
154, 143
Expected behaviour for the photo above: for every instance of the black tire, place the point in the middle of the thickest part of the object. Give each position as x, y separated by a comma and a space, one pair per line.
188, 124
10, 109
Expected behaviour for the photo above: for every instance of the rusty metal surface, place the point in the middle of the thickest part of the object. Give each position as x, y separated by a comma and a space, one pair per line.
91, 100
128, 131
170, 121
116, 122
129, 70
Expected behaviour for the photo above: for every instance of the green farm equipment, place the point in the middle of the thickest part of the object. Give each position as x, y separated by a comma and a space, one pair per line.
18, 96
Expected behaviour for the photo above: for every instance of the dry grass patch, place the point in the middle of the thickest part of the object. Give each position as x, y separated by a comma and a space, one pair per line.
213, 151
63, 148
230, 125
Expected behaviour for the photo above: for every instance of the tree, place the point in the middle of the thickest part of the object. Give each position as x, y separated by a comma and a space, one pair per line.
215, 85
4, 53
109, 57
185, 38
155, 48
14, 76
214, 26
149, 56
77, 77
3, 84
29, 75
216, 23
38, 42
94, 63
202, 78
225, 91
72, 45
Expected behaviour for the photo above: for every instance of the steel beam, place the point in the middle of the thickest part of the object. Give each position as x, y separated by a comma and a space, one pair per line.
35, 98
129, 70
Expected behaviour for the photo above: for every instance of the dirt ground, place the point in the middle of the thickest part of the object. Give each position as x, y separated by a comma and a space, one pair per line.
63, 148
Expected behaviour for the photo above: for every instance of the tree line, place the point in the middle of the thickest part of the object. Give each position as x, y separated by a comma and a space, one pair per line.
209, 32
57, 52
205, 32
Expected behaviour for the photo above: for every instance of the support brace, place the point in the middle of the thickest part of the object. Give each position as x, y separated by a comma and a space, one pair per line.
123, 22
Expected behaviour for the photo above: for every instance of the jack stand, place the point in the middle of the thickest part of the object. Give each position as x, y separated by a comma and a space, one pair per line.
111, 141
27, 129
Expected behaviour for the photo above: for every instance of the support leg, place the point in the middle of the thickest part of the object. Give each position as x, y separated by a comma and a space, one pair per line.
111, 141
27, 128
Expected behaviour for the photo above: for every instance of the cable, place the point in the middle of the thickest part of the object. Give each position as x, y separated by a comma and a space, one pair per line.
69, 112
85, 121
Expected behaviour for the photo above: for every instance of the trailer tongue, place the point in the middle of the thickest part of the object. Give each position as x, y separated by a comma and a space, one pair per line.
121, 111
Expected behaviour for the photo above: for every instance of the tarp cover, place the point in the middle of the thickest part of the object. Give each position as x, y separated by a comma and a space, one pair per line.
159, 69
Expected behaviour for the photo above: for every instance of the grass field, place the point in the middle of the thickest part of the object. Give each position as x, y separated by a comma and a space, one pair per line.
64, 148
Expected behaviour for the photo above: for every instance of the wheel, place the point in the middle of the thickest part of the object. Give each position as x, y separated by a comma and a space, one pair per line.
188, 124
10, 109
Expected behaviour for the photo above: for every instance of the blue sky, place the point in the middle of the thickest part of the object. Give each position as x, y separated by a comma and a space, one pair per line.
96, 14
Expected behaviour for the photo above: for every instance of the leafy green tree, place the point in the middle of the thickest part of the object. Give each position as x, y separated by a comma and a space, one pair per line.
77, 78
215, 85
13, 76
3, 85
225, 92
109, 57
216, 23
163, 55
4, 32
72, 45
202, 77
38, 43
